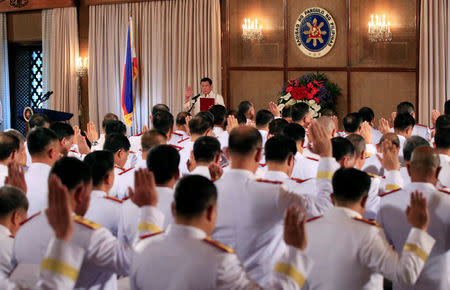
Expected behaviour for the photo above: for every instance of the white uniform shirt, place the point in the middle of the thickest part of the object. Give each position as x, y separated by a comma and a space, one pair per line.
300, 186
7, 262
201, 170
218, 100
304, 167
444, 175
185, 155
104, 257
264, 134
123, 178
37, 186
217, 131
422, 131
104, 210
199, 263
177, 136
396, 227
347, 251
3, 174
373, 165
376, 136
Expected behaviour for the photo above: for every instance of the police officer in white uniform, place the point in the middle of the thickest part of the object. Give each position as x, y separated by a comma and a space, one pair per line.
180, 132
9, 149
347, 249
418, 129
206, 88
202, 263
442, 143
424, 170
206, 151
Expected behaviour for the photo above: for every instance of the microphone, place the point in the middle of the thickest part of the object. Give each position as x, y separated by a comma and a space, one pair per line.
196, 97
45, 97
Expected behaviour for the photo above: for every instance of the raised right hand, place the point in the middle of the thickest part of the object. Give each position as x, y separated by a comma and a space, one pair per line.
321, 143
295, 227
144, 192
417, 211
91, 132
188, 94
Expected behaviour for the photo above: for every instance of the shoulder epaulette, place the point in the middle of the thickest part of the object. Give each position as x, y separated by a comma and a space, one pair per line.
310, 158
299, 180
125, 198
373, 223
219, 245
176, 147
150, 235
372, 175
30, 218
389, 192
113, 199
182, 140
74, 151
269, 181
118, 167
314, 218
125, 171
131, 152
444, 191
368, 154
87, 223
422, 125
262, 165
139, 134
178, 134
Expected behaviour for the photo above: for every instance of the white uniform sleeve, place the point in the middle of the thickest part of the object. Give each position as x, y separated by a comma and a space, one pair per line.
393, 180
218, 100
379, 256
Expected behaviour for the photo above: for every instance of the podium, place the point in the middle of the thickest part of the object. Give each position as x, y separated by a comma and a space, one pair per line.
53, 116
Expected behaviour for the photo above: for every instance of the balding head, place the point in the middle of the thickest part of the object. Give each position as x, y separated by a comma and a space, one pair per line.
328, 124
424, 165
244, 140
391, 137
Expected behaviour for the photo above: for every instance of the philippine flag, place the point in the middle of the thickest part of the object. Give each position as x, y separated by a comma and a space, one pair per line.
129, 77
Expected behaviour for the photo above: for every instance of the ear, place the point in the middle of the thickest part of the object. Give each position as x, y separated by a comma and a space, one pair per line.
217, 159
177, 175
109, 180
14, 155
302, 143
78, 193
438, 170
363, 155
408, 167
332, 199
258, 155
151, 122
363, 201
413, 114
409, 130
172, 209
51, 153
227, 153
333, 133
290, 160
208, 132
210, 211
170, 133
16, 218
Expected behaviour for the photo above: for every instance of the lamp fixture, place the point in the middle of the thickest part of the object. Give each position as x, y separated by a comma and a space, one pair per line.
379, 30
251, 30
81, 66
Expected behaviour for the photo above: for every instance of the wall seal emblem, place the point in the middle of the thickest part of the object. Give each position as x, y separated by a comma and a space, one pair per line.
315, 32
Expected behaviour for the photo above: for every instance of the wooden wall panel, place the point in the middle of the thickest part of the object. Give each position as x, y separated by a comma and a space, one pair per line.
37, 5
25, 26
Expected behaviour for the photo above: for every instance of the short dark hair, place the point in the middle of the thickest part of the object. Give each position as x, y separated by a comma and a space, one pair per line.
442, 138
39, 139
358, 143
150, 140
403, 121
115, 142
162, 121
366, 114
352, 122
38, 120
279, 148
206, 80
244, 140
443, 121
109, 117
405, 107
62, 130
159, 107
206, 149
286, 112
11, 200
447, 107
193, 195
115, 126
201, 123
100, 162
276, 127
295, 131
239, 117
181, 118
350, 185
244, 107
8, 145
263, 118
299, 111
17, 134
219, 113
72, 172
341, 148
163, 161
412, 143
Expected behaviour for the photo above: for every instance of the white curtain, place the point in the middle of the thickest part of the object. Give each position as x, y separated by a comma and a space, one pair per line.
177, 43
46, 51
60, 43
5, 107
434, 79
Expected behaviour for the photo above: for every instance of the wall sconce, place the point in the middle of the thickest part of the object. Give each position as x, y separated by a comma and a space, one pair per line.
81, 66
251, 30
379, 30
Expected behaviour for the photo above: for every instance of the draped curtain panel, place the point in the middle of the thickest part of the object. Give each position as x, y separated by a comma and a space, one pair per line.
5, 107
47, 22
177, 43
434, 79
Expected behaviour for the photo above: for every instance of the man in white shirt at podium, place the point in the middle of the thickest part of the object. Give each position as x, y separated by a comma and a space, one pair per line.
204, 97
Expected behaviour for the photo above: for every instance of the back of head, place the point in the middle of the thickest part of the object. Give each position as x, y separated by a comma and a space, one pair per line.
341, 148
424, 160
443, 121
115, 142
194, 194
244, 140
295, 132
206, 149
11, 200
162, 121
109, 117
391, 137
39, 121
39, 139
279, 148
358, 143
352, 122
8, 144
350, 185
403, 121
447, 107
405, 108
366, 114
158, 108
263, 118
151, 139
72, 172
219, 113
115, 126
244, 107
242, 120
412, 143
442, 139
17, 134
299, 111
286, 112
101, 163
327, 123
327, 112
62, 130
277, 126
181, 118
163, 161
201, 123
